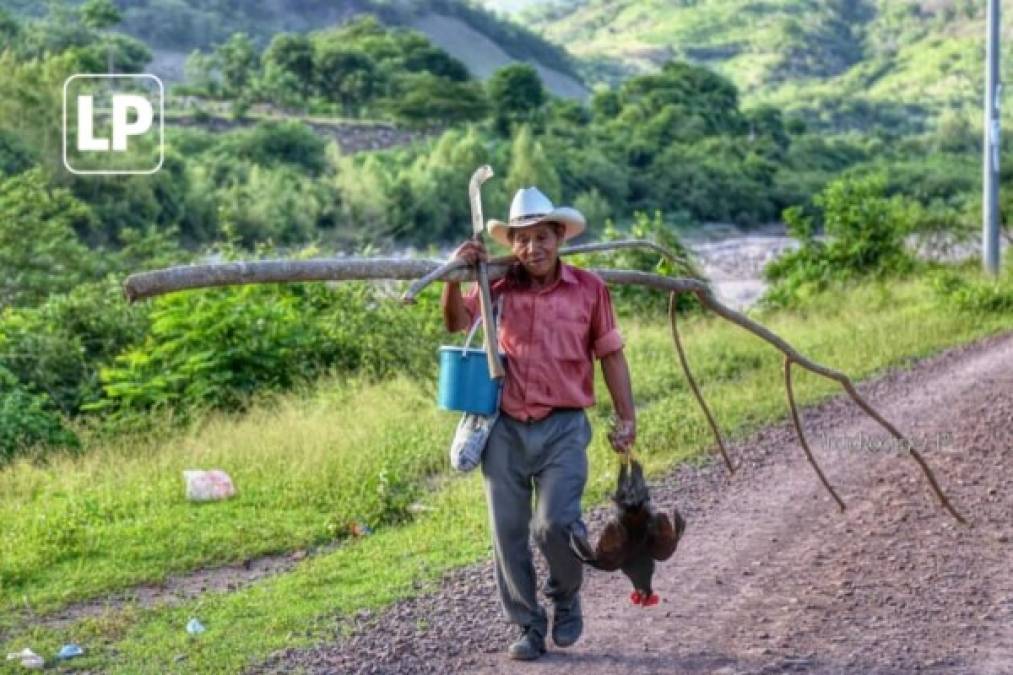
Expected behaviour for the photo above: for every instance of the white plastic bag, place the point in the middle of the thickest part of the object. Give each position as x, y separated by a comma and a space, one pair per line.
28, 659
469, 440
208, 486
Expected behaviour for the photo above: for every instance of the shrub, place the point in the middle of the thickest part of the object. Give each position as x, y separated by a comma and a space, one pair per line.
40, 252
516, 94
15, 155
425, 100
56, 349
864, 235
218, 348
28, 420
977, 293
269, 144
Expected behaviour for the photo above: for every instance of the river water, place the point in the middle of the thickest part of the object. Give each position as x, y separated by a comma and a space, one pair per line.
733, 259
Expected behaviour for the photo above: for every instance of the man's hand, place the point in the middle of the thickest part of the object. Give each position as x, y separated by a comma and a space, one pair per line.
617, 378
455, 316
623, 435
471, 252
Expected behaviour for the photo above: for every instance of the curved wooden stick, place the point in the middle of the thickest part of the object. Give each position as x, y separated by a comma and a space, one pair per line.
801, 434
692, 383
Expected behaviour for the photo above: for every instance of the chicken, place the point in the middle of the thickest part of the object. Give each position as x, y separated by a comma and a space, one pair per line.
633, 539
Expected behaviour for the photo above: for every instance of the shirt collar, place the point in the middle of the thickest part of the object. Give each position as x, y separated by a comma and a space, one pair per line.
517, 277
566, 273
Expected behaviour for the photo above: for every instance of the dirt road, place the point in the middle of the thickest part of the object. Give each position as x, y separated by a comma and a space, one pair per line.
770, 577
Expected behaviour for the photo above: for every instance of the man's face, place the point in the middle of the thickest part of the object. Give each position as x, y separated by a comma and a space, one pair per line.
537, 247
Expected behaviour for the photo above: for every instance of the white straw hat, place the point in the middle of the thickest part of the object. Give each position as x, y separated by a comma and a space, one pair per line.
530, 207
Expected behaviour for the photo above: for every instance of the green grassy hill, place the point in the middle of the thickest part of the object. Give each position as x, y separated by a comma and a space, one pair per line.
478, 37
839, 63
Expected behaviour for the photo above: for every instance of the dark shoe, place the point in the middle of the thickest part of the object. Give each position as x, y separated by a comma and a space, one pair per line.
529, 647
567, 623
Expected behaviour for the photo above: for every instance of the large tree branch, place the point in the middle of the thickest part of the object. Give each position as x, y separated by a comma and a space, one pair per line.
148, 284
184, 277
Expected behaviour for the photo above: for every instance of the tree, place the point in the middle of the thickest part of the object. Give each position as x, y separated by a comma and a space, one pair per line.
10, 30
31, 102
39, 249
58, 31
288, 65
58, 347
115, 51
605, 103
200, 73
238, 63
515, 93
766, 122
438, 183
703, 101
272, 143
865, 236
423, 99
421, 56
100, 14
15, 156
345, 75
530, 166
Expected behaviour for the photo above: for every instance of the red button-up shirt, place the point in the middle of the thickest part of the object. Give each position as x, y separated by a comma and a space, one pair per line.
550, 337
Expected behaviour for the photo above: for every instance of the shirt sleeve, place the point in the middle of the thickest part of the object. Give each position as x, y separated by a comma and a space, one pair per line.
605, 337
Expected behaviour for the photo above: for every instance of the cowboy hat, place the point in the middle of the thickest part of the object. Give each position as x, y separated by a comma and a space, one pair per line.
531, 207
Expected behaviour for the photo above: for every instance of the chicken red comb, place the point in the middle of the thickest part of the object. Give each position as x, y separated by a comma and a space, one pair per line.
650, 600
635, 597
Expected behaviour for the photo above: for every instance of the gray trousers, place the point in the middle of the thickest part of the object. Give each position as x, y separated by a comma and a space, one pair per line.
550, 457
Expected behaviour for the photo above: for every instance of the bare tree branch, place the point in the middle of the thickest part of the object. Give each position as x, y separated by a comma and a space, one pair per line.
692, 383
148, 284
184, 277
708, 300
801, 434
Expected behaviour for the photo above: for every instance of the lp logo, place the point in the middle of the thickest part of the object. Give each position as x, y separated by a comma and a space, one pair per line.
119, 137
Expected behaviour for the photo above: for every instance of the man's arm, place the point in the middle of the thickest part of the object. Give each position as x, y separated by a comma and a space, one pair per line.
455, 314
617, 377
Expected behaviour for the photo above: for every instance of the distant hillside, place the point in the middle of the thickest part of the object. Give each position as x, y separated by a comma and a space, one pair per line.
473, 34
510, 6
839, 63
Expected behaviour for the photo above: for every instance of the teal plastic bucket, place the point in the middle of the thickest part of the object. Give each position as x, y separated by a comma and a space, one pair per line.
465, 384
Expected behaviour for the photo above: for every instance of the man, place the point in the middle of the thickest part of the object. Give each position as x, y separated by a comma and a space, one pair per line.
555, 320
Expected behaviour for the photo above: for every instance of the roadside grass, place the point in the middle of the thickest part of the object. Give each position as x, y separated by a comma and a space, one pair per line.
305, 470
303, 465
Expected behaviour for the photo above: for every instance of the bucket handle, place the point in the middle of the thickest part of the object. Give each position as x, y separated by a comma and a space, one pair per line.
496, 312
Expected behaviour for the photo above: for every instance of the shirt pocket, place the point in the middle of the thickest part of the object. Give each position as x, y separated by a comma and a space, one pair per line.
572, 312
568, 341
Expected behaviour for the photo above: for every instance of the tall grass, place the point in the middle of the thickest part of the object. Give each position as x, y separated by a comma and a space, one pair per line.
306, 470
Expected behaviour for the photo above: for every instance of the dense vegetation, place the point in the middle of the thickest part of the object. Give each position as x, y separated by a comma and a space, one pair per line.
840, 64
670, 149
184, 25
360, 69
